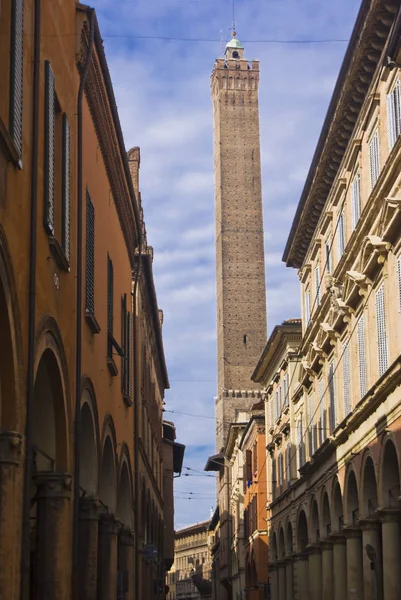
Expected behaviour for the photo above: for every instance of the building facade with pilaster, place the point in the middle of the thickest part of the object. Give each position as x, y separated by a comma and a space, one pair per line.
336, 526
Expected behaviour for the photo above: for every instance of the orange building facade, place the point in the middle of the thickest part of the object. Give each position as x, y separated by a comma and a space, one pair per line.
82, 368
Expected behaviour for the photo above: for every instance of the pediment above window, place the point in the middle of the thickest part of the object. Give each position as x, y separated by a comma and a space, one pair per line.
355, 288
390, 220
373, 255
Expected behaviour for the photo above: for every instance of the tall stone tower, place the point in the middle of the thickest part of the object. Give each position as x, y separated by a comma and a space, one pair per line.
240, 269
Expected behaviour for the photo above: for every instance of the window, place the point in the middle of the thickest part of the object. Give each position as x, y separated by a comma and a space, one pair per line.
271, 411
288, 462
399, 282
333, 413
341, 235
16, 73
317, 284
57, 174
111, 342
322, 420
393, 115
356, 199
285, 392
327, 247
362, 355
346, 378
374, 159
381, 330
274, 477
307, 306
280, 471
312, 429
300, 443
90, 257
126, 358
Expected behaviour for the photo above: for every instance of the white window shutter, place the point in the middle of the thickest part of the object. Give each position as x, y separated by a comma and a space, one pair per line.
307, 307
288, 462
356, 200
374, 159
362, 356
381, 330
346, 378
390, 121
322, 420
17, 73
317, 284
399, 282
66, 189
341, 234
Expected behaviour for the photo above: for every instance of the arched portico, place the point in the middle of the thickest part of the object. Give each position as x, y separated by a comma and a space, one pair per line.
125, 517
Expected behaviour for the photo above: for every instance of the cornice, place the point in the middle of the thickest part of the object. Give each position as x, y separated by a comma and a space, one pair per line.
363, 56
100, 98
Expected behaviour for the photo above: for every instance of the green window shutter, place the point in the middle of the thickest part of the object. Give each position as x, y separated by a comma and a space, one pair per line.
110, 306
50, 126
90, 257
66, 189
16, 73
124, 343
129, 360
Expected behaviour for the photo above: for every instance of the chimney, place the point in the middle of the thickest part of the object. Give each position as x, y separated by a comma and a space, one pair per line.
134, 162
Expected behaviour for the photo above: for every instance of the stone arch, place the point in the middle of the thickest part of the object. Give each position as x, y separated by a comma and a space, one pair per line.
314, 532
369, 501
389, 474
11, 366
124, 501
281, 543
107, 474
302, 531
351, 498
289, 539
337, 508
89, 442
274, 553
326, 515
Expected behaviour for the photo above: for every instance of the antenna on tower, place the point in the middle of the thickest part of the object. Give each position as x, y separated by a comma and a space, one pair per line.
234, 32
222, 41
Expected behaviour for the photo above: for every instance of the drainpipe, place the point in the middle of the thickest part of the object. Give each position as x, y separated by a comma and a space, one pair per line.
78, 354
26, 500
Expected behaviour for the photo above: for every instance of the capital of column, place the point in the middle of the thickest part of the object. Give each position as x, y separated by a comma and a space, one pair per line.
369, 524
313, 549
289, 559
352, 531
300, 556
109, 524
126, 537
10, 447
89, 509
53, 485
390, 514
326, 544
337, 537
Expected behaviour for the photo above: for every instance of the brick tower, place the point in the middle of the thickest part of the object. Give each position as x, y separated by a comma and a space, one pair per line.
240, 269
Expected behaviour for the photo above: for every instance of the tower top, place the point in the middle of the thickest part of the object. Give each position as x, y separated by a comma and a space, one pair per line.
234, 42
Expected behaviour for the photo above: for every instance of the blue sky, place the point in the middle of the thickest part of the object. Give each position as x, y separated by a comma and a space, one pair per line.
163, 96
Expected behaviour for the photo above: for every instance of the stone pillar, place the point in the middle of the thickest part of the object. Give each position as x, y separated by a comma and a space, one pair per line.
53, 536
391, 555
10, 513
274, 591
372, 578
301, 577
126, 563
88, 548
281, 581
354, 563
327, 570
289, 579
339, 567
107, 558
315, 572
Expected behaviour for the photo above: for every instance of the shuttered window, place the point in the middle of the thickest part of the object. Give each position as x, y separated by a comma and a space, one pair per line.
307, 307
374, 159
317, 284
322, 420
110, 306
362, 356
300, 443
66, 188
346, 378
333, 412
280, 471
341, 235
274, 477
16, 73
312, 445
285, 392
381, 331
129, 325
288, 462
393, 115
356, 199
271, 410
329, 266
399, 282
90, 257
49, 158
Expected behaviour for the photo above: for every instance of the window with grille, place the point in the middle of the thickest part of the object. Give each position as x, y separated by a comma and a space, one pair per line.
341, 234
285, 392
317, 284
362, 356
90, 257
393, 115
346, 378
374, 159
333, 412
126, 358
280, 471
381, 331
356, 199
111, 342
322, 419
17, 73
312, 444
288, 462
307, 306
50, 133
